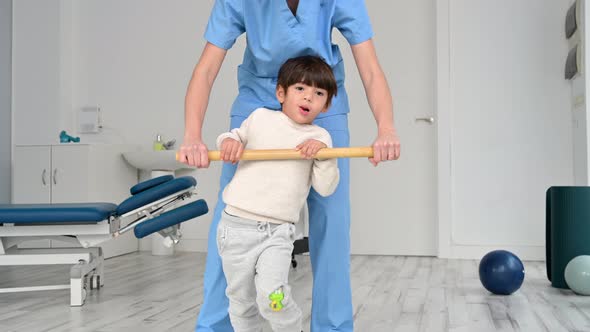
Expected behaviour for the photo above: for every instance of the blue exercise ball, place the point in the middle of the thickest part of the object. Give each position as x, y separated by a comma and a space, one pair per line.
577, 275
501, 272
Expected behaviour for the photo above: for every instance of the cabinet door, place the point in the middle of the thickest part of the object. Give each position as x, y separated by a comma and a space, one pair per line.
69, 174
31, 175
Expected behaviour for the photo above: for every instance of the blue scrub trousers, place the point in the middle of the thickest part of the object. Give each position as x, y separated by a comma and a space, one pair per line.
329, 249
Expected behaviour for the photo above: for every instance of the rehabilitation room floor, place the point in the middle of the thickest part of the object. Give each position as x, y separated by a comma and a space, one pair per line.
390, 293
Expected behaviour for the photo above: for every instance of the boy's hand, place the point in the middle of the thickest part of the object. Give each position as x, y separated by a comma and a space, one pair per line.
231, 150
310, 147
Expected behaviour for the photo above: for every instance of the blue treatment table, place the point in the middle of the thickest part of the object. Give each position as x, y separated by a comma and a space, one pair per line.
154, 206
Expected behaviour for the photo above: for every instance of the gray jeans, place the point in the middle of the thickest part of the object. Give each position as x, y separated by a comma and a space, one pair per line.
256, 258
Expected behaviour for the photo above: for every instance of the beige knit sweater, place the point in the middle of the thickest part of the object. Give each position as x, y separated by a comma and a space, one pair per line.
276, 190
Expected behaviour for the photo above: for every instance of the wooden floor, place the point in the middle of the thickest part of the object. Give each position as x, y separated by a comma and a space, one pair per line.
150, 293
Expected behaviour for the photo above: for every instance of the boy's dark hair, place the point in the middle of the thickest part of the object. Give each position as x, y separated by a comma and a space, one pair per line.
310, 70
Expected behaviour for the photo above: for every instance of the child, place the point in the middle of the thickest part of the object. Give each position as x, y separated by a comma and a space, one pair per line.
263, 200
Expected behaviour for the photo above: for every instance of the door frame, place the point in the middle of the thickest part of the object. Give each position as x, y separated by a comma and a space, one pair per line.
443, 128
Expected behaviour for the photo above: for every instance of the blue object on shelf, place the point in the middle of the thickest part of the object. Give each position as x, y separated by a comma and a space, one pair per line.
65, 138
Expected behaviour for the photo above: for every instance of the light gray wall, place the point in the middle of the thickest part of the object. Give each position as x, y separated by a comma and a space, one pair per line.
38, 89
5, 97
137, 72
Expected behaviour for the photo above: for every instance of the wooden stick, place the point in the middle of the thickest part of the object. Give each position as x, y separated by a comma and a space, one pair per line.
282, 154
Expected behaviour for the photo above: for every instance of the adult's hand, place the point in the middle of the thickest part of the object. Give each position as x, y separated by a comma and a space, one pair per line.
386, 147
194, 154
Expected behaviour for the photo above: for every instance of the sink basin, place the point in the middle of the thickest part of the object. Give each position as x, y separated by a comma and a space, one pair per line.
154, 160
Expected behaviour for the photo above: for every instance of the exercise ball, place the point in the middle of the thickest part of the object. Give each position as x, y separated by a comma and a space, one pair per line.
577, 274
501, 272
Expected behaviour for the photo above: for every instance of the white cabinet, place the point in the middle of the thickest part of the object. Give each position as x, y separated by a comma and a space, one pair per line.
31, 175
74, 173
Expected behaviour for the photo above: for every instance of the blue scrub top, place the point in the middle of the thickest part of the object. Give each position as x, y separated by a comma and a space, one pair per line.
274, 34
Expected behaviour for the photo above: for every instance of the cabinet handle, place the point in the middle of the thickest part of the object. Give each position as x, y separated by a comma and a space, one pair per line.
43, 177
55, 176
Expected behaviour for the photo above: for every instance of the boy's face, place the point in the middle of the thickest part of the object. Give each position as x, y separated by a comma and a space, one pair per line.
302, 103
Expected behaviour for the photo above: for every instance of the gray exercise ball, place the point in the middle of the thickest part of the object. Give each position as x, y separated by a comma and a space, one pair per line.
577, 274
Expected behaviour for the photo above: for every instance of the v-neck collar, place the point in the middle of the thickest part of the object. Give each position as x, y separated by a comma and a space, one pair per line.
293, 20
293, 2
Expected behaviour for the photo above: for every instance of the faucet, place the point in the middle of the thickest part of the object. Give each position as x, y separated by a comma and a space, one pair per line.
169, 145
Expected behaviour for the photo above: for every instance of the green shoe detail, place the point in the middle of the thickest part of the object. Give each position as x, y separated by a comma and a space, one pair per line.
275, 299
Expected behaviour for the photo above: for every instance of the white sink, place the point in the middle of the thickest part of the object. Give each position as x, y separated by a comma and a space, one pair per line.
154, 160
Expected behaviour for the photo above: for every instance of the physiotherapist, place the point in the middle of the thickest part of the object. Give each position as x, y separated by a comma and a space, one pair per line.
277, 30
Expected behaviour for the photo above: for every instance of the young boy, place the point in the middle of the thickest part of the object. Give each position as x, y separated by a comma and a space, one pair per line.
263, 200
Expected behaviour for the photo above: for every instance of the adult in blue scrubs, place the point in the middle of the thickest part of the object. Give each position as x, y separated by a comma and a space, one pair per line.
277, 30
